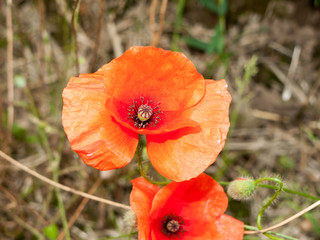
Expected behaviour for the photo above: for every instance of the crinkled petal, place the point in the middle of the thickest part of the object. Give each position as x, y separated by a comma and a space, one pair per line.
93, 134
170, 120
141, 198
230, 228
164, 76
198, 201
200, 198
196, 229
187, 152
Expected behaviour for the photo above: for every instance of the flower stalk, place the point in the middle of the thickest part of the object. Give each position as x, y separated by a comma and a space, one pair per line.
264, 207
286, 190
141, 169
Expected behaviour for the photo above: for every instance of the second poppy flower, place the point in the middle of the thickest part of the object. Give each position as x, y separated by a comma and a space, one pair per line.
189, 210
153, 92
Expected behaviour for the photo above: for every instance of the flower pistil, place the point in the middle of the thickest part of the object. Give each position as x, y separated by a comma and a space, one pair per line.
172, 226
144, 113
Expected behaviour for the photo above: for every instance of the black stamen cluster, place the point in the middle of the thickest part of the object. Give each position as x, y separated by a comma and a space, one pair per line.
172, 226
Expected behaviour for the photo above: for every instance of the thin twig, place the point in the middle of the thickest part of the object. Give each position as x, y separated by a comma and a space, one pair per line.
286, 94
97, 42
294, 62
286, 220
3, 142
21, 205
284, 79
10, 67
14, 202
152, 17
115, 38
80, 207
156, 37
27, 226
42, 69
58, 185
74, 33
269, 116
281, 49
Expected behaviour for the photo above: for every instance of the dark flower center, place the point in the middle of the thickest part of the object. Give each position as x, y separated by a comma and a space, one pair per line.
144, 113
172, 226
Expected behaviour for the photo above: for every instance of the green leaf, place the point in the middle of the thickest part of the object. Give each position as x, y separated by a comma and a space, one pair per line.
217, 41
20, 133
315, 224
31, 138
195, 43
223, 8
210, 5
51, 231
220, 9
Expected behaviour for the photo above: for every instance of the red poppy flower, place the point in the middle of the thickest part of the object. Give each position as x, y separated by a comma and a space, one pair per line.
153, 92
189, 210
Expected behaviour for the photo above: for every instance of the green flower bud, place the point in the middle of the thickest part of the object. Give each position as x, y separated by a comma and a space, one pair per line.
241, 189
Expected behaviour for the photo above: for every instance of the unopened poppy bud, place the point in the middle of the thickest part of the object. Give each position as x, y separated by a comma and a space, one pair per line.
241, 189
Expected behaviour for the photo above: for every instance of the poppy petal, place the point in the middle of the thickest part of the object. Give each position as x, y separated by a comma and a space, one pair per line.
198, 201
164, 76
197, 198
231, 228
184, 154
93, 134
196, 229
170, 120
141, 198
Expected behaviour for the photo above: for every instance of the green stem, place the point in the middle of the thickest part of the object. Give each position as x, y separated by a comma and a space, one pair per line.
74, 21
52, 160
144, 174
59, 198
287, 190
177, 25
280, 185
272, 237
275, 195
222, 18
248, 227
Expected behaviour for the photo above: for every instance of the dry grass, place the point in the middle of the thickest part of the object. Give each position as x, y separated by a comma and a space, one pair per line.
276, 113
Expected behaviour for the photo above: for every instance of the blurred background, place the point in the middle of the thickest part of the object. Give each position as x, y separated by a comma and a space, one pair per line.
267, 50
